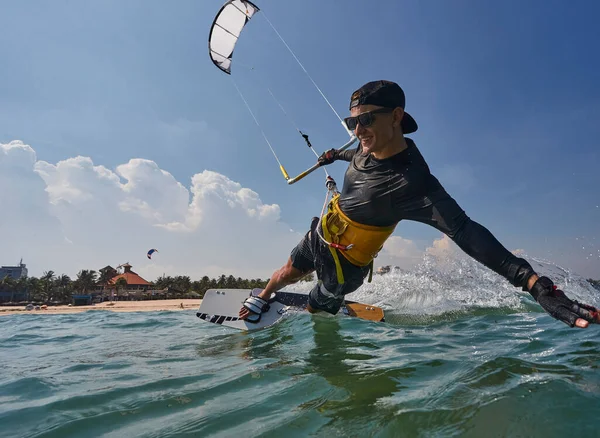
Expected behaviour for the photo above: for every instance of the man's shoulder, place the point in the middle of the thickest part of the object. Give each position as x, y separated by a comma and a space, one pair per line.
407, 154
411, 145
412, 151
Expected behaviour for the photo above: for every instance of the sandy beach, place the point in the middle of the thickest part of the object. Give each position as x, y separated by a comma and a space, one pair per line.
117, 306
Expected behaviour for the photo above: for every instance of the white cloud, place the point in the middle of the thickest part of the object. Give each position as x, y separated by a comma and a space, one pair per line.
444, 249
25, 214
153, 192
401, 252
76, 215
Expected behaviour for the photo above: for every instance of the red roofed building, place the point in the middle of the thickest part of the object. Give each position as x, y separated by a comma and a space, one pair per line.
137, 287
134, 281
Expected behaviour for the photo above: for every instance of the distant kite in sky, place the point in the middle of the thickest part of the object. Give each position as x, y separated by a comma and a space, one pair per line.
152, 251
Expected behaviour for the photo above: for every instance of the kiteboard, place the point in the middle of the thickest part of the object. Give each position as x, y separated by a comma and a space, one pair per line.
222, 306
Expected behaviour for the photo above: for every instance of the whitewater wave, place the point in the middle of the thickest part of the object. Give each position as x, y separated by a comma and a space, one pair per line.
448, 282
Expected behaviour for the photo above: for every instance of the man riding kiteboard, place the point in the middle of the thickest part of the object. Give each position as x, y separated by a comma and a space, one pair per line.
388, 181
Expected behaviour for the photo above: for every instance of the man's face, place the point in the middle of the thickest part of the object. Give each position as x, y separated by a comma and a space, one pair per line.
384, 126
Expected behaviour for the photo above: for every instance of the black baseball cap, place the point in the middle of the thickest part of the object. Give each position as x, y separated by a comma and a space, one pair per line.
386, 94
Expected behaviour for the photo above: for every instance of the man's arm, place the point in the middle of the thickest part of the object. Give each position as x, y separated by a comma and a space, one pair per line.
332, 155
348, 154
478, 242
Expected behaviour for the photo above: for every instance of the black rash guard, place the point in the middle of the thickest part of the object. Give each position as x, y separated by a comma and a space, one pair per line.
384, 192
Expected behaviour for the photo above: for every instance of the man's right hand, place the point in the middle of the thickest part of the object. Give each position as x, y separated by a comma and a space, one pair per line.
558, 305
245, 311
328, 157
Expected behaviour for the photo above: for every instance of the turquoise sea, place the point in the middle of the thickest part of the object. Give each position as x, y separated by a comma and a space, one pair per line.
462, 354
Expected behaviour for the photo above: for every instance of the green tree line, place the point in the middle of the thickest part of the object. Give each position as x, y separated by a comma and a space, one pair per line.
52, 288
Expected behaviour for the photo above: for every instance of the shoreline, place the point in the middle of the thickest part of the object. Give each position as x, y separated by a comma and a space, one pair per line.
117, 306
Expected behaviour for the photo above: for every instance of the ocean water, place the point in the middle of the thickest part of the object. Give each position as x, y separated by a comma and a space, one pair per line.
461, 354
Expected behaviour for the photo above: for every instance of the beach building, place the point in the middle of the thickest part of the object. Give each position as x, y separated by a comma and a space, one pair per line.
120, 284
136, 287
81, 299
134, 281
12, 294
14, 272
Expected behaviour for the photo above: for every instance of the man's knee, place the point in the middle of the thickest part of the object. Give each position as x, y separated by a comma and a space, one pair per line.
311, 309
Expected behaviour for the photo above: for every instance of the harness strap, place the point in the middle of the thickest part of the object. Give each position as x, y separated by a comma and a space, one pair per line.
338, 266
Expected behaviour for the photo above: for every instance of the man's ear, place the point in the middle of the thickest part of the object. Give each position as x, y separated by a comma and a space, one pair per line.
397, 116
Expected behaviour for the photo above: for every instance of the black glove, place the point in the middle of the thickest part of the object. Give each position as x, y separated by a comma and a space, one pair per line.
328, 157
558, 305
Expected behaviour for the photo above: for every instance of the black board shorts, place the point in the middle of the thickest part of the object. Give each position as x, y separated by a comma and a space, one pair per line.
312, 254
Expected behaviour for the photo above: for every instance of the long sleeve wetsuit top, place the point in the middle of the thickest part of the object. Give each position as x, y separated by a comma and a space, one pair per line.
401, 187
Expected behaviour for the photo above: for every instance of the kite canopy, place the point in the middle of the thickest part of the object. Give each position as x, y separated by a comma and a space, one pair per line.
226, 29
152, 251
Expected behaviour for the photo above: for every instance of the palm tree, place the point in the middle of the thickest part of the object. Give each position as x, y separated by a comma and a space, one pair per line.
183, 284
63, 284
86, 280
35, 289
120, 285
47, 284
230, 282
105, 276
204, 281
164, 282
257, 283
7, 284
22, 285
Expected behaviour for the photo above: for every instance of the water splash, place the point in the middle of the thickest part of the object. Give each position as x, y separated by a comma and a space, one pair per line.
447, 280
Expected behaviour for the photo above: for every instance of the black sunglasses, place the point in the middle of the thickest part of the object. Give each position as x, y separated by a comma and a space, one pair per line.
365, 119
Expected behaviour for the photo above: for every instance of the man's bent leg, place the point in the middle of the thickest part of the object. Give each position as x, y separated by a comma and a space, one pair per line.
310, 309
320, 298
328, 294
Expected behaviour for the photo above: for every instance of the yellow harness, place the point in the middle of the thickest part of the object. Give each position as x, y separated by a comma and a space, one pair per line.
358, 243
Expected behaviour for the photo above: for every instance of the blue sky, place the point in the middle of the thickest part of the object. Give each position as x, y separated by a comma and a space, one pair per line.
505, 94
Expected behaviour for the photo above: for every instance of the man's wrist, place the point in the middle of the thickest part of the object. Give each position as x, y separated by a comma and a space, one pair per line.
531, 281
542, 286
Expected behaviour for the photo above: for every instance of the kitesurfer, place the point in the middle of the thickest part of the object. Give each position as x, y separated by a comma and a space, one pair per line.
388, 181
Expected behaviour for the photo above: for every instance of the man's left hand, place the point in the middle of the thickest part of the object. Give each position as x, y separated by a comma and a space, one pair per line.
558, 305
328, 157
